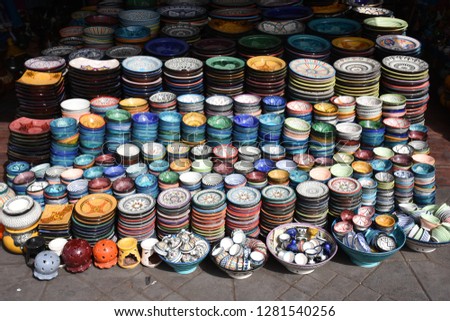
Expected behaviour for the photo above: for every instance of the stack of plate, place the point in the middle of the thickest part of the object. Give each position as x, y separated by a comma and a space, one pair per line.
346, 108
145, 127
328, 8
173, 211
270, 127
249, 153
193, 129
424, 184
245, 130
213, 47
369, 191
224, 76
311, 80
65, 50
296, 135
29, 140
219, 130
322, 140
136, 217
55, 222
182, 31
208, 214
307, 47
46, 64
325, 112
312, 203
92, 134
233, 21
163, 101
132, 35
372, 134
345, 194
265, 76
167, 48
94, 218
352, 46
141, 76
153, 151
357, 76
183, 13
39, 94
146, 18
184, 76
147, 184
282, 29
98, 37
389, 45
123, 51
226, 155
64, 146
394, 106
369, 11
385, 193
118, 128
92, 78
169, 127
273, 105
404, 186
190, 103
331, 28
102, 104
396, 131
408, 76
380, 26
244, 204
369, 108
278, 205
90, 53
348, 137
259, 45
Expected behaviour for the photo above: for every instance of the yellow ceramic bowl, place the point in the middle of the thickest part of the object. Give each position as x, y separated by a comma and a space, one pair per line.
70, 140
266, 63
353, 43
179, 165
362, 167
325, 109
194, 119
132, 102
278, 176
23, 234
92, 121
385, 221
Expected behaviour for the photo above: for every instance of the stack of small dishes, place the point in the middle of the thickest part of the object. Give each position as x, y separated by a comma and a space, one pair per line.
311, 80
153, 151
245, 130
55, 194
331, 28
385, 192
249, 153
158, 166
219, 105
396, 131
167, 48
105, 160
212, 47
94, 218
380, 26
257, 179
369, 108
128, 155
296, 177
98, 37
390, 45
92, 134
346, 108
420, 147
184, 13
123, 51
233, 22
364, 155
77, 189
322, 140
182, 31
304, 161
141, 76
132, 35
312, 203
404, 186
328, 8
136, 217
92, 78
100, 185
184, 76
115, 172
145, 127
39, 94
190, 103
282, 29
46, 64
348, 137
351, 47
362, 169
372, 134
265, 76
181, 165
224, 76
135, 170
369, 11
52, 226
29, 140
100, 105
219, 130
273, 105
234, 181
345, 194
424, 184
146, 18
259, 45
75, 108
341, 170
177, 151
394, 105
307, 47
193, 129
299, 109
224, 154
408, 76
63, 51
163, 101
118, 128
273, 152
243, 167
244, 204
213, 181
93, 172
278, 177
270, 127
168, 180
325, 112
369, 191
203, 166
357, 76
208, 214
52, 174
191, 181
247, 104
173, 211
36, 191
278, 205
22, 181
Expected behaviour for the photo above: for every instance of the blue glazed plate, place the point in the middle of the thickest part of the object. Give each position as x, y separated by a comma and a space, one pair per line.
142, 64
288, 13
167, 47
132, 32
334, 26
309, 43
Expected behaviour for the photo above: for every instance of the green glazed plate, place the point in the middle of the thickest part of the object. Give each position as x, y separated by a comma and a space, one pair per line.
225, 63
386, 23
260, 42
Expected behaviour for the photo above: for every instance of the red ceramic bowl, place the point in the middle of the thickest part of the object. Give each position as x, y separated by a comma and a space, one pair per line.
123, 185
256, 177
363, 154
402, 160
99, 183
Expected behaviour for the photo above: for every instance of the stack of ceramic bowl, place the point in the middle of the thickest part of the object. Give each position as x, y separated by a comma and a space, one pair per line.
50, 64
243, 167
260, 45
257, 179
322, 140
183, 12
132, 35
141, 76
65, 50
245, 130
168, 180
424, 184
39, 94
98, 37
264, 165
183, 76
273, 152
190, 103
52, 174
191, 181
75, 108
36, 191
345, 194
100, 185
158, 166
408, 76
77, 189
307, 47
177, 151
208, 214
93, 172
201, 151
369, 108
193, 129
224, 154
202, 166
273, 105
219, 130
396, 131
249, 153
219, 105
182, 31
224, 76
278, 205
357, 76
114, 172
90, 53
92, 134
389, 45
146, 18
370, 10
369, 191
100, 105
127, 155
346, 108
372, 134
153, 151
380, 26
247, 104
295, 135
331, 28
282, 29
181, 165
135, 170
145, 128
348, 137
92, 78
394, 106
312, 203
352, 47
325, 112
134, 105
297, 176
56, 194
118, 128
419, 147
22, 181
404, 186
213, 47
232, 22
270, 127
213, 181
265, 76
64, 146
311, 80
385, 192
169, 127
147, 184
105, 160
243, 210
299, 109
173, 211
163, 101
234, 181
94, 218
136, 217
167, 48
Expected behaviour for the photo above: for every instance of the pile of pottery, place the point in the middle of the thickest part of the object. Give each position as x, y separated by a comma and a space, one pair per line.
173, 211
312, 203
322, 140
296, 132
380, 26
278, 205
389, 45
345, 193
265, 76
243, 210
141, 76
385, 192
245, 130
424, 184
190, 70
307, 46
190, 103
224, 76
346, 108
55, 222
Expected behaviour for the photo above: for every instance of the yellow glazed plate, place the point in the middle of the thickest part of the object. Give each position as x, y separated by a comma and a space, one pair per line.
353, 43
266, 63
36, 78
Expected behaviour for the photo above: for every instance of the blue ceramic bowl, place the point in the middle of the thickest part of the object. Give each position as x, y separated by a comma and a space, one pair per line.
419, 128
298, 176
423, 170
61, 124
114, 171
93, 172
146, 181
83, 160
55, 190
334, 26
16, 168
381, 165
159, 166
246, 121
274, 101
132, 32
170, 117
264, 165
166, 47
188, 99
145, 118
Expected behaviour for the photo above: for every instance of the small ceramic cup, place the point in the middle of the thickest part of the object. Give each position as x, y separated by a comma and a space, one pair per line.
57, 245
149, 257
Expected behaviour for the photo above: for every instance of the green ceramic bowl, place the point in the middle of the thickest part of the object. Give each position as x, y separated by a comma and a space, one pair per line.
168, 177
341, 170
323, 128
220, 122
225, 63
393, 99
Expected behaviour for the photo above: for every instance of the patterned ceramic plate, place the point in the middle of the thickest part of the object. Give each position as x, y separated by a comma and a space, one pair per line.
142, 64
89, 53
124, 51
334, 26
45, 63
373, 11
277, 193
180, 31
139, 16
184, 64
60, 51
209, 199
244, 196
357, 65
281, 28
183, 11
398, 43
137, 204
86, 64
386, 23
174, 198
405, 64
344, 185
96, 205
311, 68
312, 189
